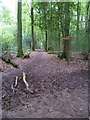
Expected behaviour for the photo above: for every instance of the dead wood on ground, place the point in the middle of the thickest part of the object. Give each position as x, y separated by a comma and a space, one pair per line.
7, 57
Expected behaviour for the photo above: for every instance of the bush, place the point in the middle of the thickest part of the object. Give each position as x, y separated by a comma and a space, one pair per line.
5, 46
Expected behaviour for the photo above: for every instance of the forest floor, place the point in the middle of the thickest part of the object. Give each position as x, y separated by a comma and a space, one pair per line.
60, 90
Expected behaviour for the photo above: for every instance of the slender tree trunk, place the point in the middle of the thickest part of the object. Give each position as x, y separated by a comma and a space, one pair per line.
46, 47
62, 19
88, 9
59, 37
59, 31
66, 30
88, 31
32, 29
51, 29
78, 20
19, 29
87, 25
46, 41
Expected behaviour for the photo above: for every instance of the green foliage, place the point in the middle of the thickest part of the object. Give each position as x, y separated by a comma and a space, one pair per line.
5, 46
8, 38
5, 16
46, 16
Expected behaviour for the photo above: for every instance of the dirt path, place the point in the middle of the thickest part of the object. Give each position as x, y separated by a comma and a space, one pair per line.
61, 90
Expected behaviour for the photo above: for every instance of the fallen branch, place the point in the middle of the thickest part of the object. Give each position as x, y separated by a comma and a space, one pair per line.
6, 57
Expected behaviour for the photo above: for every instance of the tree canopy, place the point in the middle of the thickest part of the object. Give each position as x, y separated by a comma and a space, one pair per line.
49, 21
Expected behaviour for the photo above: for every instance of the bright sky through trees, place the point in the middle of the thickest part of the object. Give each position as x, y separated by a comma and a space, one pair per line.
10, 4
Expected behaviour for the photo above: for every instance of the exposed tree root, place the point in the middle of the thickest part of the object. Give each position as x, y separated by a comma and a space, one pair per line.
23, 78
26, 84
12, 87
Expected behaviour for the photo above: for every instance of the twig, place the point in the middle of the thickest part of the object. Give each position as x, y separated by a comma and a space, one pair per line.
3, 95
16, 81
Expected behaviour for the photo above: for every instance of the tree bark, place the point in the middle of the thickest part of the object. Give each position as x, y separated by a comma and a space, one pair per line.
19, 29
66, 31
88, 10
46, 41
78, 20
87, 25
46, 47
32, 28
59, 31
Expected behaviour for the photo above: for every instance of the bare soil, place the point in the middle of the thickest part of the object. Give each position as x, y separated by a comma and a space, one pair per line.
60, 90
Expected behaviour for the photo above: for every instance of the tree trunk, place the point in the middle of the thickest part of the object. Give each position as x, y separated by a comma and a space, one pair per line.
88, 9
87, 25
62, 19
51, 29
59, 31
46, 47
66, 31
78, 20
32, 29
88, 31
46, 41
19, 29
